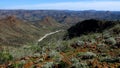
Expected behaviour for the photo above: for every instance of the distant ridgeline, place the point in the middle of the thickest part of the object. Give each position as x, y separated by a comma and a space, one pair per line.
61, 16
89, 26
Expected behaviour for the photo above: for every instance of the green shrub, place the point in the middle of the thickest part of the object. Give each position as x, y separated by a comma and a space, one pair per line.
17, 65
111, 60
80, 43
5, 57
80, 65
106, 35
48, 65
116, 29
101, 44
86, 55
110, 41
83, 65
117, 45
74, 60
62, 65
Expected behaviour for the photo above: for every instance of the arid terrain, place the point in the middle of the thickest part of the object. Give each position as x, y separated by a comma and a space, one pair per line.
59, 39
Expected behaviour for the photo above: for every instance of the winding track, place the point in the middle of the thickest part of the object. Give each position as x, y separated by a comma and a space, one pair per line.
48, 34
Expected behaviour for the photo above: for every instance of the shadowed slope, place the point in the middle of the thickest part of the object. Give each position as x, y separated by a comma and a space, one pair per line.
88, 26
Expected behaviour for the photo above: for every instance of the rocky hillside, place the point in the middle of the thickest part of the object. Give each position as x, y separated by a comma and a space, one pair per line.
15, 31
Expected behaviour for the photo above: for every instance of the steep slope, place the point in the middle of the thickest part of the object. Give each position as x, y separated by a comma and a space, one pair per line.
13, 31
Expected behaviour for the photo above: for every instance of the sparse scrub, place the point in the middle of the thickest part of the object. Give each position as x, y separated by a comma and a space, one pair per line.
54, 51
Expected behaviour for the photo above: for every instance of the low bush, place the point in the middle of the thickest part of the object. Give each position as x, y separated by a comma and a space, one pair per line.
116, 29
48, 65
86, 55
5, 57
110, 41
111, 60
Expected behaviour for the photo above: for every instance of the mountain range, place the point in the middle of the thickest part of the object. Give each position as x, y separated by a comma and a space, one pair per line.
61, 16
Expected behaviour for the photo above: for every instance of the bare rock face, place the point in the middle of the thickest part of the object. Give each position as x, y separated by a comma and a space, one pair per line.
11, 18
9, 21
49, 21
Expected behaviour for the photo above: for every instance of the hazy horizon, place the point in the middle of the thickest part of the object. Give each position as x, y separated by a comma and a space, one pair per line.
78, 5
